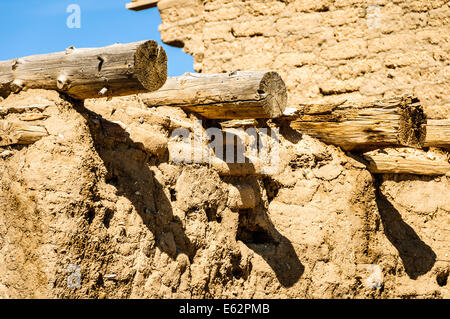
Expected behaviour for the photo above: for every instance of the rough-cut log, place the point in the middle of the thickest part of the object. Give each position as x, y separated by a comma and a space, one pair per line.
407, 161
17, 132
239, 123
438, 133
138, 5
119, 69
396, 122
33, 117
236, 95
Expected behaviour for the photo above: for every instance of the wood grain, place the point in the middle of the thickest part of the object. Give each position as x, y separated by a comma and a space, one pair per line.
138, 5
394, 122
119, 69
17, 132
237, 95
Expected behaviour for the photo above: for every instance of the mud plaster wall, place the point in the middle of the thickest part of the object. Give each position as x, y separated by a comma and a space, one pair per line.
328, 51
324, 50
138, 226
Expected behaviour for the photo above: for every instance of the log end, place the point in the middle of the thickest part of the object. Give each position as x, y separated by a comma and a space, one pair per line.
151, 65
273, 88
412, 126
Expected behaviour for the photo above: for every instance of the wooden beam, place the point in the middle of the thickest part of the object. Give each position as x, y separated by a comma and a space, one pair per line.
138, 5
395, 122
119, 69
183, 153
407, 161
237, 95
17, 132
438, 133
239, 123
22, 109
241, 196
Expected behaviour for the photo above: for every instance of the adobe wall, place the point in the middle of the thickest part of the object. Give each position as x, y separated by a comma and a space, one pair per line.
324, 50
329, 51
137, 225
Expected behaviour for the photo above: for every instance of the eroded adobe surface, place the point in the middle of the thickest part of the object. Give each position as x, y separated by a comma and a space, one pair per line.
137, 225
325, 50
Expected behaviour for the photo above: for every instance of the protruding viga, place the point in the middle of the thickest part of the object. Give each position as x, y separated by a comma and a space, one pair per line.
119, 69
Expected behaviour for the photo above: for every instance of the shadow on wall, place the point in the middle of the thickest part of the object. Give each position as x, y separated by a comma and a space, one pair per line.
129, 173
418, 258
179, 61
257, 231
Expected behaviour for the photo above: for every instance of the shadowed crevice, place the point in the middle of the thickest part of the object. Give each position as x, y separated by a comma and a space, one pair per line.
417, 257
128, 171
256, 230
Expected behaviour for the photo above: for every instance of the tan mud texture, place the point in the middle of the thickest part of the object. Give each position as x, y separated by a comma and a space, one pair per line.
95, 210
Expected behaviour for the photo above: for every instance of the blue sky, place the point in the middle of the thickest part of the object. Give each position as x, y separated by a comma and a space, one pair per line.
29, 27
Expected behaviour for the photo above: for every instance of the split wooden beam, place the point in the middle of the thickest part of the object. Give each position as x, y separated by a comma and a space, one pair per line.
396, 122
19, 109
407, 161
438, 133
236, 95
18, 132
119, 69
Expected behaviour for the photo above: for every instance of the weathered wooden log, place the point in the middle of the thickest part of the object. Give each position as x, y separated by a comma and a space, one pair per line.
396, 122
407, 161
236, 95
438, 133
119, 69
29, 117
17, 132
239, 123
